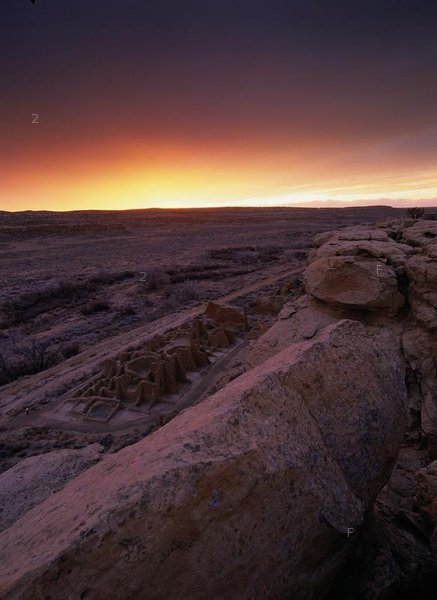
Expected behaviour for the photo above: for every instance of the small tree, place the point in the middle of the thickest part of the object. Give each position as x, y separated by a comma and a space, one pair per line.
416, 212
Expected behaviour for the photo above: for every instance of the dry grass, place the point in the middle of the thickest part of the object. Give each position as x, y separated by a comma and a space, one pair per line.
29, 305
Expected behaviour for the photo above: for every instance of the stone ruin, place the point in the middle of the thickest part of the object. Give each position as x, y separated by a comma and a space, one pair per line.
139, 379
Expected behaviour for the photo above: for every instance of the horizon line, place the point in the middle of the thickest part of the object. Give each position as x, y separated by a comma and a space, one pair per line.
310, 205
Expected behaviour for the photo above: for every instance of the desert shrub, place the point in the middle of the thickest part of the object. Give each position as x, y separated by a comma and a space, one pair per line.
155, 279
5, 370
147, 302
229, 253
27, 360
293, 254
220, 254
211, 273
194, 268
31, 304
70, 350
94, 307
127, 311
193, 272
180, 294
168, 305
185, 292
247, 254
110, 278
270, 253
303, 245
247, 257
416, 212
38, 356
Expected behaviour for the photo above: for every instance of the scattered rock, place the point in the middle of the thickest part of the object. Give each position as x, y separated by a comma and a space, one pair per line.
269, 305
310, 333
229, 315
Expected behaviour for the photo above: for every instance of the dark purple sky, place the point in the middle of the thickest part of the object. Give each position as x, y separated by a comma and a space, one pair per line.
329, 92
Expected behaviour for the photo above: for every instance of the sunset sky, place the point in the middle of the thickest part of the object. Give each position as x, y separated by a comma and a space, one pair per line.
215, 102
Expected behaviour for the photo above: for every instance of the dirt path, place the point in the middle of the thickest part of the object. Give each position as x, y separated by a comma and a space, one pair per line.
42, 387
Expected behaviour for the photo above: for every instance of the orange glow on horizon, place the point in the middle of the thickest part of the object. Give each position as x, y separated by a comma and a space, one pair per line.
122, 175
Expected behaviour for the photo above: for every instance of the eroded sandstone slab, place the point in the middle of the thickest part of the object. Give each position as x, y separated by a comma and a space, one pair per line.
249, 494
33, 480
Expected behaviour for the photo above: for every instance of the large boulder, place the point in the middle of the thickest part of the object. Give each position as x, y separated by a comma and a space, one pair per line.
354, 282
258, 492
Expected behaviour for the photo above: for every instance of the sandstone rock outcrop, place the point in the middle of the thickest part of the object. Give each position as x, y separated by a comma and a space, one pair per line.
419, 233
31, 481
299, 321
353, 282
369, 274
358, 268
249, 494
